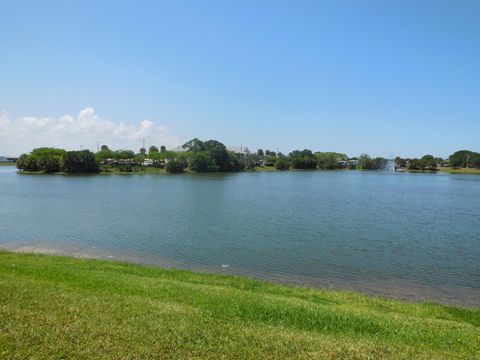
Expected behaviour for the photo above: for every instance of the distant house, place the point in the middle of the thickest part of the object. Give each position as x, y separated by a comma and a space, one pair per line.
239, 150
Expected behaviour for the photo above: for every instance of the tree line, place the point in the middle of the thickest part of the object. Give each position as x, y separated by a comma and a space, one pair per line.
213, 156
196, 156
459, 159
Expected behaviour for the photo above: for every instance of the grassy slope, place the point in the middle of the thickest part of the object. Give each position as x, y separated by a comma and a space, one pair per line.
459, 171
60, 307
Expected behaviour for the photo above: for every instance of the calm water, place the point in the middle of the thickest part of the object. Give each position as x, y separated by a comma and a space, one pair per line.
414, 236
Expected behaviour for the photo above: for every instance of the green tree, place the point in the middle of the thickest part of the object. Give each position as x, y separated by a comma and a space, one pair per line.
249, 164
235, 163
330, 160
400, 163
104, 154
218, 152
49, 164
41, 159
104, 148
27, 162
428, 162
124, 155
367, 163
194, 145
175, 166
260, 152
281, 163
82, 161
208, 156
201, 162
440, 161
302, 159
270, 159
464, 159
413, 164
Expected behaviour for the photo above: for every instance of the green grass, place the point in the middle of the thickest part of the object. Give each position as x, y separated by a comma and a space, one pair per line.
460, 171
7, 164
61, 307
265, 168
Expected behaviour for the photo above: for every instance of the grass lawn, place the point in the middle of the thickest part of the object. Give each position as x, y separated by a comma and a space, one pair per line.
460, 171
61, 307
265, 168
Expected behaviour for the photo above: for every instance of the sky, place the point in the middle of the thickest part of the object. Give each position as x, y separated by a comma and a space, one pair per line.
385, 78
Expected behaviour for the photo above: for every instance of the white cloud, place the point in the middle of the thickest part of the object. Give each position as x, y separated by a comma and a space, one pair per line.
69, 132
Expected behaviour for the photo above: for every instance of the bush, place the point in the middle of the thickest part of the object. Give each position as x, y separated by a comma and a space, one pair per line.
281, 164
27, 163
303, 159
41, 159
175, 166
75, 162
125, 168
249, 165
235, 163
200, 162
330, 160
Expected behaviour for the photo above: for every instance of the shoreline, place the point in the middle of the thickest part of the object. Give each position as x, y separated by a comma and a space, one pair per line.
387, 289
162, 171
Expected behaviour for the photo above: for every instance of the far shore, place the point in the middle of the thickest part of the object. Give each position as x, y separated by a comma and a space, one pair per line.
161, 171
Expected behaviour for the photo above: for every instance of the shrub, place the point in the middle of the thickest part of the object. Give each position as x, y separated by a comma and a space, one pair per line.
281, 164
175, 166
79, 162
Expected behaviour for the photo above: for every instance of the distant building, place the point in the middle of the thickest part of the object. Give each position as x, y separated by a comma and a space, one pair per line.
4, 159
241, 151
178, 149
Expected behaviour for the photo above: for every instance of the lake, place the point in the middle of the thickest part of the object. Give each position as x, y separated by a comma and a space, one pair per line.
403, 235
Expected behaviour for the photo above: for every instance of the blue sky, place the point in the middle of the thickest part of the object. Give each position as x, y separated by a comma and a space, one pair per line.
379, 77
